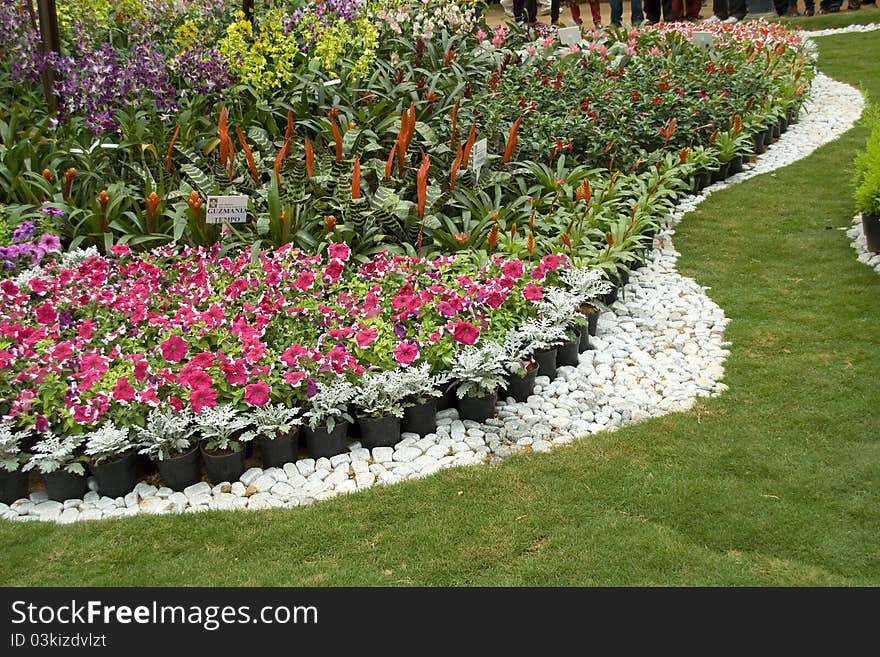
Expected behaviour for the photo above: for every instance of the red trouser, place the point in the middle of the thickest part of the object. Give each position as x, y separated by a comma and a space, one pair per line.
690, 11
594, 10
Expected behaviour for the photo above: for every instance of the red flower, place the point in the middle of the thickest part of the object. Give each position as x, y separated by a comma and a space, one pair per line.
465, 333
175, 403
257, 394
294, 378
174, 349
366, 336
123, 391
46, 314
202, 398
533, 292
339, 251
305, 280
512, 269
406, 353
333, 270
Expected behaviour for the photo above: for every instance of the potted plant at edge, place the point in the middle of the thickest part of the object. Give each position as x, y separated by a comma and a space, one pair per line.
478, 371
61, 465
223, 435
13, 479
276, 428
112, 461
166, 439
327, 416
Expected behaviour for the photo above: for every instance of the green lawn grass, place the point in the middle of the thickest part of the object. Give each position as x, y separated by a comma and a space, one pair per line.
774, 483
842, 18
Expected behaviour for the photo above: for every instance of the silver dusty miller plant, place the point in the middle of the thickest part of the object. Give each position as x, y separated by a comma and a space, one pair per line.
380, 394
11, 457
271, 421
421, 384
107, 443
221, 428
586, 284
165, 433
53, 453
328, 404
478, 370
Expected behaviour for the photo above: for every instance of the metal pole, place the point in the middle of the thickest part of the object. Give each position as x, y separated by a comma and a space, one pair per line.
51, 42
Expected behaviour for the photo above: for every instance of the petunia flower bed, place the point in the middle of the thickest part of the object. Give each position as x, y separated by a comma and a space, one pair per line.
93, 342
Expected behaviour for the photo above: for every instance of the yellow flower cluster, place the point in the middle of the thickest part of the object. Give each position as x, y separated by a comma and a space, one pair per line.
265, 61
185, 36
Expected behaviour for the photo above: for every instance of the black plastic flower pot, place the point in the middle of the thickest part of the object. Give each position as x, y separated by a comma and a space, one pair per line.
223, 466
379, 431
705, 179
871, 227
181, 471
768, 137
522, 387
447, 400
321, 442
278, 450
13, 486
478, 409
611, 297
783, 125
546, 362
720, 173
759, 143
62, 485
736, 165
354, 429
791, 116
695, 184
584, 344
567, 352
421, 418
592, 314
116, 478
774, 131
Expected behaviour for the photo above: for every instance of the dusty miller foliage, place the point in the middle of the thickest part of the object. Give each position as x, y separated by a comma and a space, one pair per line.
219, 426
328, 404
421, 384
586, 284
165, 433
478, 370
53, 453
271, 421
107, 443
380, 394
10, 449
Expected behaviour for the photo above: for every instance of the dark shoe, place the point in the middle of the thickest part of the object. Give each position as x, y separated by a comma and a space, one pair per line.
852, 5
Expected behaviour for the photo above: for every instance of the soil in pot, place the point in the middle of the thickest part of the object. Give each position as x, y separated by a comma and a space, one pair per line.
546, 363
223, 466
379, 431
567, 352
871, 227
180, 471
116, 478
321, 442
62, 485
478, 409
278, 450
13, 486
521, 387
421, 418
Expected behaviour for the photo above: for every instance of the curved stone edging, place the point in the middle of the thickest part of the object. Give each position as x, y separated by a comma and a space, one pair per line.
857, 234
849, 29
660, 347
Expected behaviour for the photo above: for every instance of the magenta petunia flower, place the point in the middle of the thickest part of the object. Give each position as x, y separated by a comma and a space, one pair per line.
512, 269
465, 332
533, 292
174, 349
405, 353
202, 398
257, 394
366, 336
123, 390
339, 251
46, 314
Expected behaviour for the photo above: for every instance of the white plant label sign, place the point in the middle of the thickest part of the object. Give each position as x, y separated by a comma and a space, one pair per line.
703, 39
229, 209
479, 157
569, 36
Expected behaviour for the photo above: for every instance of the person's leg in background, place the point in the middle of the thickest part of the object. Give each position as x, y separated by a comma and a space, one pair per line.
616, 12
652, 11
719, 9
668, 14
554, 12
692, 10
636, 14
738, 10
596, 13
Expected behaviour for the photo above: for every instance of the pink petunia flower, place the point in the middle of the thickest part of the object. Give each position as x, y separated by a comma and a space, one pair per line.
46, 314
339, 251
202, 398
174, 349
366, 336
465, 332
123, 390
512, 269
257, 394
405, 353
533, 292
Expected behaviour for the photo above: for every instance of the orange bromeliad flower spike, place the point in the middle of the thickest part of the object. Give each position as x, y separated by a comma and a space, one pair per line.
455, 165
248, 155
288, 132
170, 148
390, 163
356, 178
492, 239
454, 138
223, 131
511, 139
472, 135
422, 184
310, 157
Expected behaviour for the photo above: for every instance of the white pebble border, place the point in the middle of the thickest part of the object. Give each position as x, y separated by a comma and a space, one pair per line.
659, 348
849, 29
857, 234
